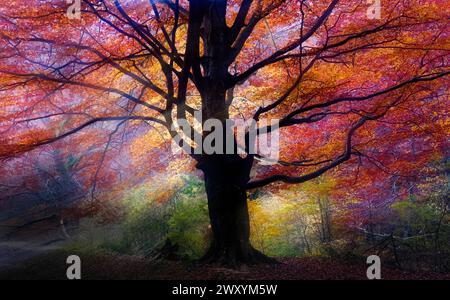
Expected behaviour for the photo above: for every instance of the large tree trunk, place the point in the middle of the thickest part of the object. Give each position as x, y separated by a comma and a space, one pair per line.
225, 179
225, 175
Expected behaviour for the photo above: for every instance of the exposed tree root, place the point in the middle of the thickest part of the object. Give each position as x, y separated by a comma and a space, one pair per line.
229, 257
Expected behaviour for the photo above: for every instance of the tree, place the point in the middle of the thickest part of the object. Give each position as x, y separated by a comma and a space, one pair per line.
333, 76
45, 192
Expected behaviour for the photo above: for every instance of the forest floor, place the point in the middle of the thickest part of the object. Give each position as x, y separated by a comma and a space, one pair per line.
53, 266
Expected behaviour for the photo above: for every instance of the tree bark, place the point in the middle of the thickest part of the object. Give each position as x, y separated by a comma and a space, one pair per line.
225, 179
226, 175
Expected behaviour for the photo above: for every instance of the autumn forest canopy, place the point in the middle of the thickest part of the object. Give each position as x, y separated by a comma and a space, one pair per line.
104, 107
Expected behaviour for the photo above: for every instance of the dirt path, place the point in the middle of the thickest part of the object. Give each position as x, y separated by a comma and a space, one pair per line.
12, 253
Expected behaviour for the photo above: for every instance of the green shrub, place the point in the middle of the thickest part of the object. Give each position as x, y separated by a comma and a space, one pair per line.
189, 222
146, 224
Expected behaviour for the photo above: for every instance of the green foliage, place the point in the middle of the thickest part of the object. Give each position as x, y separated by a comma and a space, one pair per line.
422, 229
188, 224
417, 216
145, 223
148, 223
286, 225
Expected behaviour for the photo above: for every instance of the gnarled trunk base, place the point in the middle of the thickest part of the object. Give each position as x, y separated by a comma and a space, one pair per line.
234, 256
225, 180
